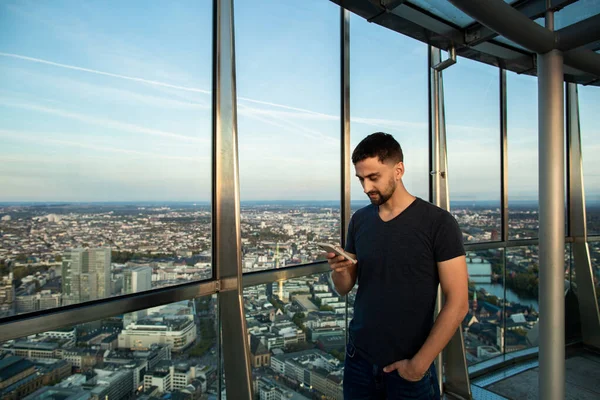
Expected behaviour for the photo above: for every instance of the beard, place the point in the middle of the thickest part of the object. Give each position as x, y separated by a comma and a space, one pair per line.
378, 198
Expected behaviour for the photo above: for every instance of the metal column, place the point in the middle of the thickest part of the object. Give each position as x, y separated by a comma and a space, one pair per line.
451, 363
552, 223
226, 205
586, 292
503, 156
345, 210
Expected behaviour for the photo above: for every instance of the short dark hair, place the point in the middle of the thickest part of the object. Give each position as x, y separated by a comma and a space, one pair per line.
380, 145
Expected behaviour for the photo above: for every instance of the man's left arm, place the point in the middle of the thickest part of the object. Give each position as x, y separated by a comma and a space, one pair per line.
454, 280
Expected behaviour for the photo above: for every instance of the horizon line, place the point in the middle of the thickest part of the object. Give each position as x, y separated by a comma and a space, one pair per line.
241, 201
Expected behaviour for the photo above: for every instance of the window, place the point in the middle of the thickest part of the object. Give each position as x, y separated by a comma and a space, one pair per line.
297, 337
522, 116
156, 352
289, 130
104, 150
388, 85
522, 300
484, 321
589, 103
472, 109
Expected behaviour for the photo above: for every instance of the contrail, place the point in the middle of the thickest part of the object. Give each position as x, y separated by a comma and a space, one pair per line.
286, 107
95, 71
122, 126
26, 136
366, 121
155, 83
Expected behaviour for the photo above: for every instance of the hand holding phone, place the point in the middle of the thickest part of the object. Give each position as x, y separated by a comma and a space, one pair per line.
337, 250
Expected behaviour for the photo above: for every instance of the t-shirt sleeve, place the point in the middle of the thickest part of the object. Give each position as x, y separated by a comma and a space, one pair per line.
350, 247
448, 239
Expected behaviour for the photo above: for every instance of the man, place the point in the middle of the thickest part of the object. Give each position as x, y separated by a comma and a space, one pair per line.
405, 247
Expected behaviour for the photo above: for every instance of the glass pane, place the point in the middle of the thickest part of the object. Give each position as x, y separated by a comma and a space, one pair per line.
482, 324
595, 261
572, 316
472, 101
540, 21
445, 10
382, 104
520, 328
297, 338
161, 351
289, 130
589, 104
575, 12
522, 156
509, 42
104, 149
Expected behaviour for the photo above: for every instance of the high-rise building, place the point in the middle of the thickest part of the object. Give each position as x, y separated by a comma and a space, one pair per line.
70, 271
85, 275
137, 279
7, 295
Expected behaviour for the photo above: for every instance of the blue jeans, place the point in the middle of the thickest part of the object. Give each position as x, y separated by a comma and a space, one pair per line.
365, 381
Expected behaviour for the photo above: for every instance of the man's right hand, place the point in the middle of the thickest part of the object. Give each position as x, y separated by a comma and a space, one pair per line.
338, 263
344, 273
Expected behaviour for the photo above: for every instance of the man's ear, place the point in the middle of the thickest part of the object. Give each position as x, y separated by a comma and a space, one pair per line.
399, 170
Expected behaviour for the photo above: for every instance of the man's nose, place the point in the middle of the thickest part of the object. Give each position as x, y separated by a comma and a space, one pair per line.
367, 187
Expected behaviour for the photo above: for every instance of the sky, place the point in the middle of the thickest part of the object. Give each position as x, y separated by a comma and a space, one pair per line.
110, 101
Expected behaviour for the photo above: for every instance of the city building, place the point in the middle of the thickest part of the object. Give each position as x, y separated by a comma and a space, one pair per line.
86, 275
112, 384
177, 333
18, 378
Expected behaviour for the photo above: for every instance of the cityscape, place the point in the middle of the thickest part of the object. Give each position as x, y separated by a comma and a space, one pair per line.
54, 255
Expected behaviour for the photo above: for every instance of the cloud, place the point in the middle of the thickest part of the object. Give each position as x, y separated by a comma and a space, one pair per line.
287, 125
95, 71
40, 137
104, 122
282, 116
112, 94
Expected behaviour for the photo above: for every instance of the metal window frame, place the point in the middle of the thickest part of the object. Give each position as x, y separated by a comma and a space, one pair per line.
345, 159
451, 364
584, 277
477, 41
235, 348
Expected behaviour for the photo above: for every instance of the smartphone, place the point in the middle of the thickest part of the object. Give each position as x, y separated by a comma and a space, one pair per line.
332, 248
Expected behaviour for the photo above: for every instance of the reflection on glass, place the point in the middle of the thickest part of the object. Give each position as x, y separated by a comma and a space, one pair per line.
104, 150
288, 120
445, 10
589, 104
575, 12
388, 90
280, 235
522, 156
474, 148
595, 260
572, 314
482, 326
162, 351
297, 338
520, 328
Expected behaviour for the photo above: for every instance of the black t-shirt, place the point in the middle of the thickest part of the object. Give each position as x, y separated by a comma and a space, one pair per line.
398, 277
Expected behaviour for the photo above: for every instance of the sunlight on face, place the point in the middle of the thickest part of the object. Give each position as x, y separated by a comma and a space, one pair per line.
377, 179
